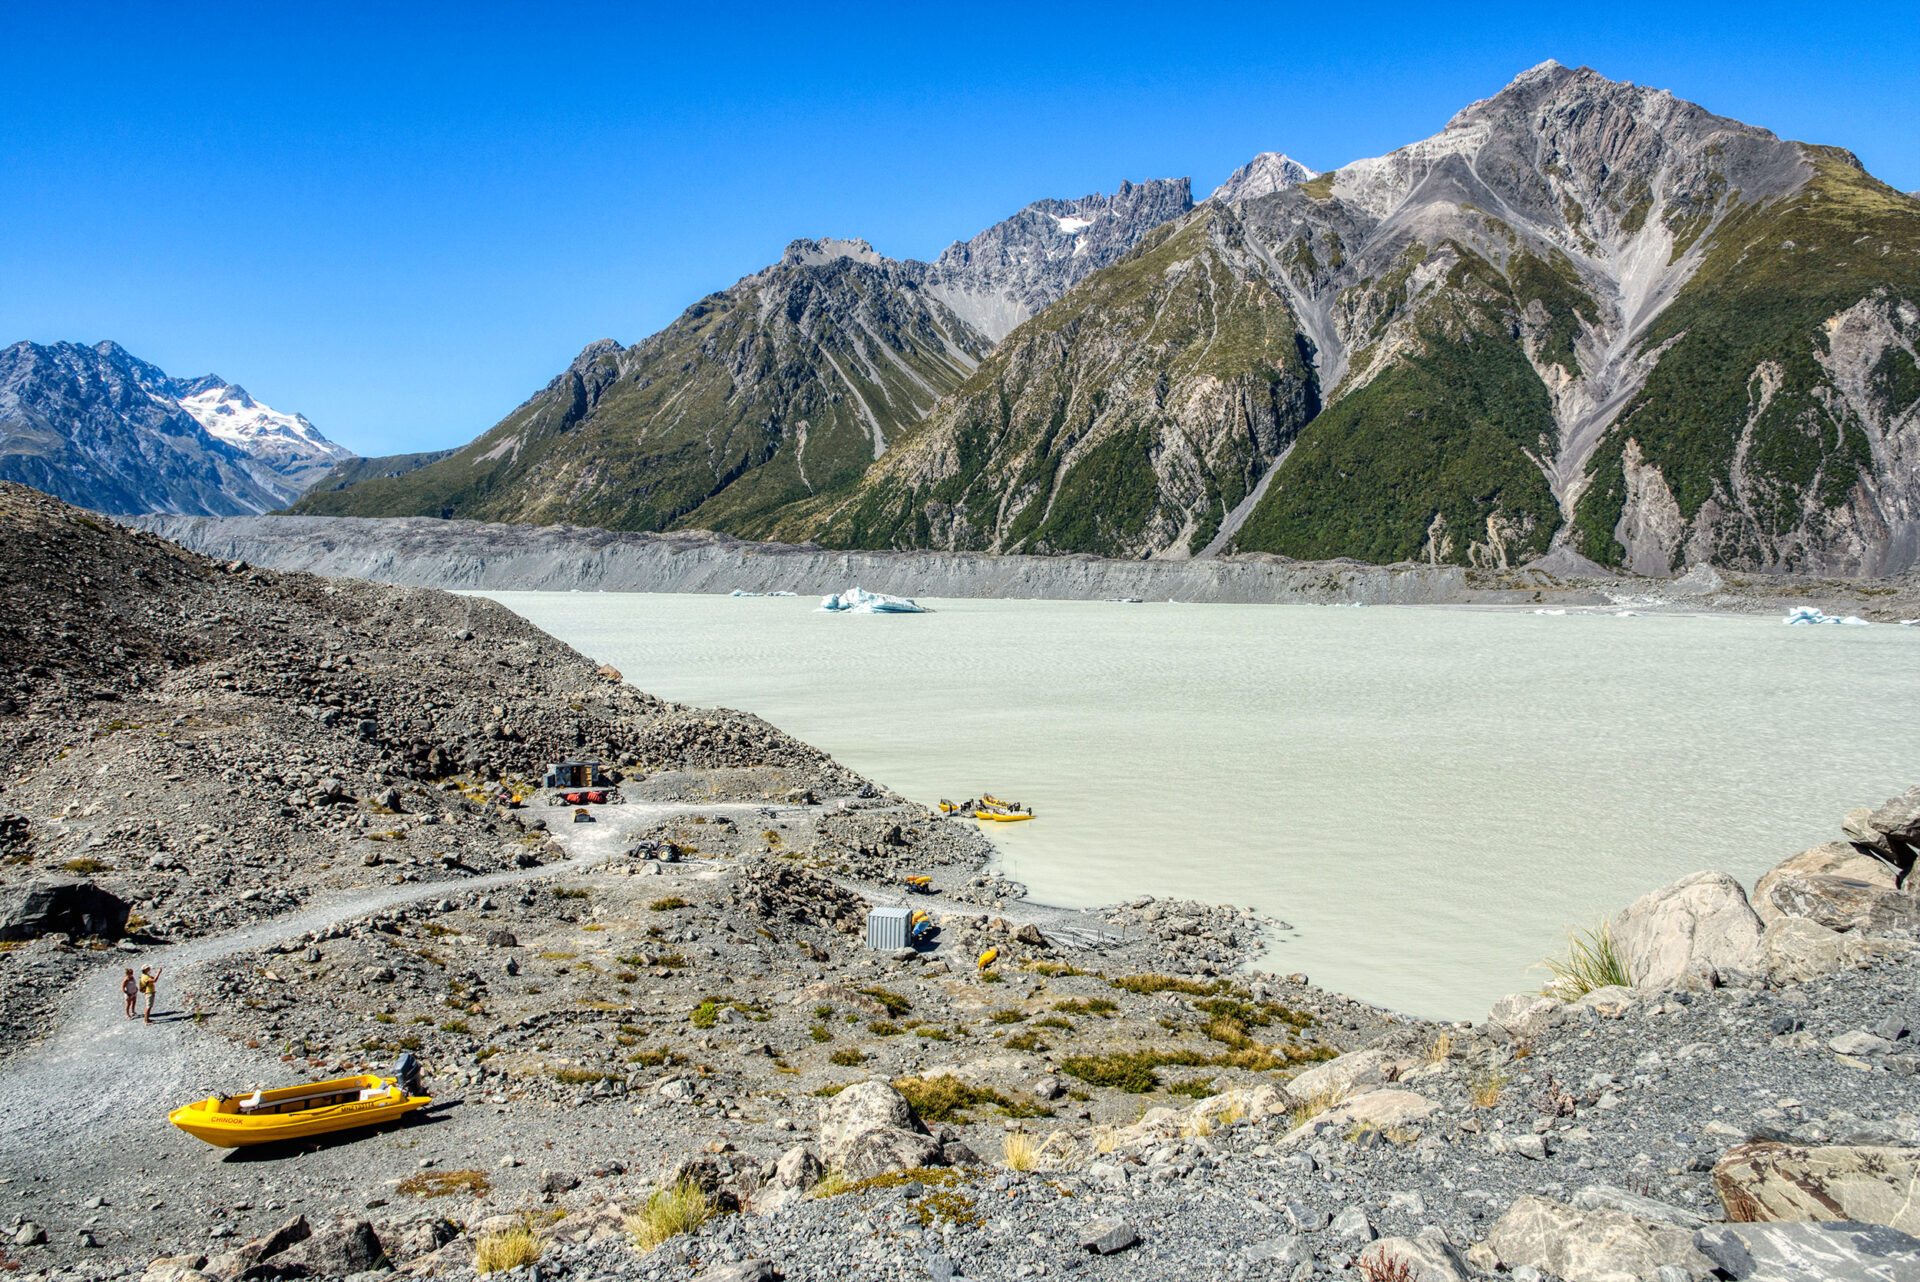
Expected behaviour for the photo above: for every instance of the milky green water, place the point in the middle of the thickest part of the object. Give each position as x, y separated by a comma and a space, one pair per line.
1429, 796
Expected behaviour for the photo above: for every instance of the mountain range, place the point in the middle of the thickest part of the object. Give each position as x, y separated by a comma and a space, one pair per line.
1586, 321
100, 428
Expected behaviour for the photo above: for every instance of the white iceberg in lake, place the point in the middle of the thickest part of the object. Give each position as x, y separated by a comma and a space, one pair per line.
860, 601
1813, 614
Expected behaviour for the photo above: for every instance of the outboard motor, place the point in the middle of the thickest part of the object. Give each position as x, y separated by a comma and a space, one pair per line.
406, 1071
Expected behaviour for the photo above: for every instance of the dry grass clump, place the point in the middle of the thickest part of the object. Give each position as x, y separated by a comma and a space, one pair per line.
942, 1098
1105, 1140
1312, 1106
1486, 1088
1440, 1048
1019, 1152
832, 1184
445, 1183
1592, 961
668, 1213
510, 1249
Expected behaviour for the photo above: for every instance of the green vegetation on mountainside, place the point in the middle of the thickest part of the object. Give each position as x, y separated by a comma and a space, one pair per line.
753, 399
1775, 274
1440, 432
1140, 406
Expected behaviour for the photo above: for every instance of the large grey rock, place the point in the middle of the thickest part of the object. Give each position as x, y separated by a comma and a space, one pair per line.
744, 1271
1803, 1252
1107, 1235
1340, 1077
1424, 1259
1525, 1014
862, 1108
1585, 1245
1796, 950
1608, 1197
1899, 818
1703, 918
336, 1252
1839, 886
1869, 1184
69, 905
881, 1150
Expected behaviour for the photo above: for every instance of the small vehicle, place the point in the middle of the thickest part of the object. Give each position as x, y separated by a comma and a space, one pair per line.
583, 816
297, 1112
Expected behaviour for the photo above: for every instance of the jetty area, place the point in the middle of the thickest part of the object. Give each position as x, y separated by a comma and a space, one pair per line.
660, 1044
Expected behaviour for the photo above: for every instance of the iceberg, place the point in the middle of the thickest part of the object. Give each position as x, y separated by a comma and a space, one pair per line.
859, 601
1813, 614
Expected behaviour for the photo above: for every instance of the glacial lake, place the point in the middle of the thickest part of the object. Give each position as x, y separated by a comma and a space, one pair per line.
1430, 797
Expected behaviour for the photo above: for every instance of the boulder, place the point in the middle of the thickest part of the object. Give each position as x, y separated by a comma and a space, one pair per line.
1381, 1109
337, 1252
1702, 918
1839, 886
863, 1106
1805, 1252
1899, 818
1107, 1235
1796, 950
1585, 1246
798, 1168
1612, 1001
66, 905
1865, 1184
885, 1149
1338, 1078
1030, 935
1609, 1197
1422, 1259
1524, 1015
745, 1270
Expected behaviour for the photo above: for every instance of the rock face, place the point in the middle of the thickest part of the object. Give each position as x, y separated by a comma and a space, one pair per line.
71, 905
786, 385
1587, 1246
1829, 1252
1870, 1185
1702, 920
1839, 886
869, 1129
1265, 174
102, 429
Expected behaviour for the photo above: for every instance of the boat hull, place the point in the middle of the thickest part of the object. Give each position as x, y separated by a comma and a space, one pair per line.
218, 1120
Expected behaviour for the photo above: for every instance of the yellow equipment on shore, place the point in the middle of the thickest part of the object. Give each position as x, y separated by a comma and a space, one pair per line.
296, 1112
1003, 816
920, 885
989, 957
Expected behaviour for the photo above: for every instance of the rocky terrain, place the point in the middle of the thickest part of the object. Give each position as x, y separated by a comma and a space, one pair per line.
100, 428
658, 1047
474, 555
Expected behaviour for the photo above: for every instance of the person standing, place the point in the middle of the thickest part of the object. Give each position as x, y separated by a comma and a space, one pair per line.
131, 987
149, 984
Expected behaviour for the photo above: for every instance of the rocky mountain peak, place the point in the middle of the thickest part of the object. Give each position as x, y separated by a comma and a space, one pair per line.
1266, 173
818, 253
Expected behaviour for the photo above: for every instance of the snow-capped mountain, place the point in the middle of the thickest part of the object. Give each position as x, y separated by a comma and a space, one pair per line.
1266, 173
287, 443
100, 428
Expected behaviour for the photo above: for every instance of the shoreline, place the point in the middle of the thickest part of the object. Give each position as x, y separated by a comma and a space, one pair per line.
463, 555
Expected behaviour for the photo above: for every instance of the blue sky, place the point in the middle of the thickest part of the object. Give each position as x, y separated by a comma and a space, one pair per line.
403, 225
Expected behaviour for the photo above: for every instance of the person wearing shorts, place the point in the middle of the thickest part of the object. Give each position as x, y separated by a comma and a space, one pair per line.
149, 982
131, 987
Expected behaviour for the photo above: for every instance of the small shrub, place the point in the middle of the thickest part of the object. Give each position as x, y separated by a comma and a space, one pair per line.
833, 1183
896, 1004
668, 904
1378, 1268
943, 1098
557, 956
1440, 1048
848, 1057
820, 1033
1091, 1006
445, 1183
1028, 1041
705, 1015
991, 977
501, 1252
84, 866
1054, 1021
1009, 1015
1487, 1087
881, 1028
828, 1092
454, 1026
932, 1032
1194, 1088
571, 894
822, 1011
1147, 985
1592, 961
1196, 1127
578, 1076
668, 1213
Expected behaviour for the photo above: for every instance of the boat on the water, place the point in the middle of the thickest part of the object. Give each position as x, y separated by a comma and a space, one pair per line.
1003, 816
299, 1112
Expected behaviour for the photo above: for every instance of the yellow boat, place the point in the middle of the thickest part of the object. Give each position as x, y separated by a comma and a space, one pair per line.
1002, 816
296, 1112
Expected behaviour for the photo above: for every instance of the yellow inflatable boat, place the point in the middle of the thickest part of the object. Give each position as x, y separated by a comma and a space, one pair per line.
1003, 816
296, 1112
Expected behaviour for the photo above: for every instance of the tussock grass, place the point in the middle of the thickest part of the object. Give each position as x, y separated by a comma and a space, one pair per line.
848, 1057
1592, 961
512, 1249
1440, 1048
668, 1213
1105, 1140
1019, 1152
943, 1098
445, 1183
1486, 1088
1312, 1106
832, 1184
